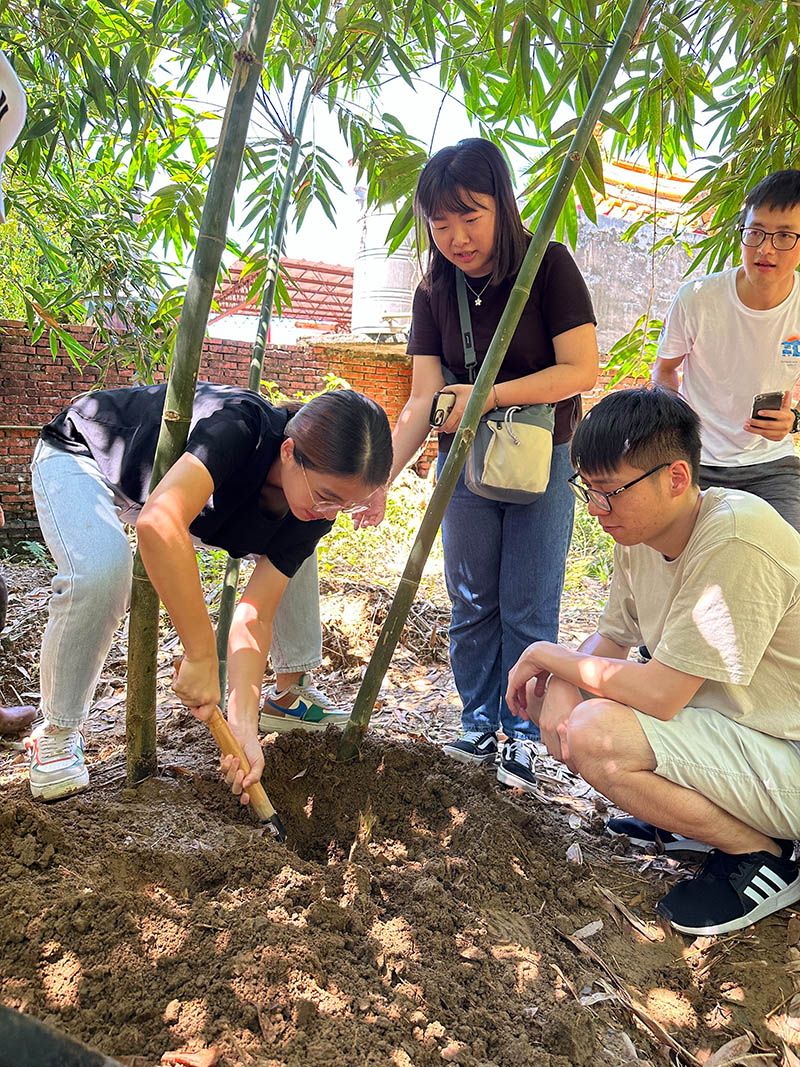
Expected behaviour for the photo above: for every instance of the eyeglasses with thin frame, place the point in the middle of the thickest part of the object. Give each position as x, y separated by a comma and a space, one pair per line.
601, 500
328, 507
782, 240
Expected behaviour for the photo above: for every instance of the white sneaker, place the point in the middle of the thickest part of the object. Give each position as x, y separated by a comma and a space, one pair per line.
309, 710
57, 762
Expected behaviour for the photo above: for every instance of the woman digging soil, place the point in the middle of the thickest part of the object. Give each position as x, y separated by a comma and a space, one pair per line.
254, 479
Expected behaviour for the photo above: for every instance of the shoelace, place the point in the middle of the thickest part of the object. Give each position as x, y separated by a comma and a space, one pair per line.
58, 744
312, 695
473, 736
521, 752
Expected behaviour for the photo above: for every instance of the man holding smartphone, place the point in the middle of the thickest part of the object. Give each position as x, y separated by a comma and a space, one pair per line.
736, 337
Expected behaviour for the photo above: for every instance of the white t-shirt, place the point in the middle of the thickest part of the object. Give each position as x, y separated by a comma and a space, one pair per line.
732, 353
726, 609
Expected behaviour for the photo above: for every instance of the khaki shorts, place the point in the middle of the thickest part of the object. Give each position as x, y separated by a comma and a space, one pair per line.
752, 776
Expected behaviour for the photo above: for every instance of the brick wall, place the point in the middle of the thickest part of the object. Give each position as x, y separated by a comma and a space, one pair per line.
34, 386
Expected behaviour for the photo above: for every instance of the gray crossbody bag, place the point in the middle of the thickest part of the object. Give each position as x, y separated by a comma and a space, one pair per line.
510, 456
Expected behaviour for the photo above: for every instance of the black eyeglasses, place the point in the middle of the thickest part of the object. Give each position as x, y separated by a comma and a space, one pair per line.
782, 240
602, 500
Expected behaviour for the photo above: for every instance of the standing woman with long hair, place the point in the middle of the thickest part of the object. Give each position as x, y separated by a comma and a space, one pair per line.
504, 562
254, 479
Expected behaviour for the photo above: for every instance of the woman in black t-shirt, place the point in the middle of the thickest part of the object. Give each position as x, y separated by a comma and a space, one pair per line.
504, 563
253, 479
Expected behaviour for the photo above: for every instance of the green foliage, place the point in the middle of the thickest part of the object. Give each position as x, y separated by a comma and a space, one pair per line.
38, 553
115, 157
633, 354
590, 556
379, 553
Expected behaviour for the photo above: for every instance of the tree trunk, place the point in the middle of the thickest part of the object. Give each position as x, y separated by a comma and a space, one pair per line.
140, 726
230, 584
358, 723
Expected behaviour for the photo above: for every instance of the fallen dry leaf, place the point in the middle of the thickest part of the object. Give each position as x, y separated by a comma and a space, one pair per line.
575, 854
729, 1052
589, 930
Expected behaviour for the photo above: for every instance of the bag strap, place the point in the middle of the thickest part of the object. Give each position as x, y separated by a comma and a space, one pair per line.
470, 359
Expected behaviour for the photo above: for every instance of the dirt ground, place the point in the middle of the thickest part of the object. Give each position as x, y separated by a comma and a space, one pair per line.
419, 913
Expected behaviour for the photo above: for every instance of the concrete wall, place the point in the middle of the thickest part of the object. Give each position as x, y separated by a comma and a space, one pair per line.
620, 275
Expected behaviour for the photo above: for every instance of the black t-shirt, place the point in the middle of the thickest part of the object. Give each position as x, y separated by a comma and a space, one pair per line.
559, 301
235, 434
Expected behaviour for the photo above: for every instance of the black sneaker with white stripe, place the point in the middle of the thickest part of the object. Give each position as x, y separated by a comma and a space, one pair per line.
730, 892
640, 832
515, 767
473, 747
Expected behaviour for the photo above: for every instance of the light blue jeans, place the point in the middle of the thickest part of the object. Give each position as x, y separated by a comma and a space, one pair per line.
504, 568
80, 522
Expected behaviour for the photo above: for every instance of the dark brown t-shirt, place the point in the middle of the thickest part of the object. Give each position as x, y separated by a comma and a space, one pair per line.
559, 301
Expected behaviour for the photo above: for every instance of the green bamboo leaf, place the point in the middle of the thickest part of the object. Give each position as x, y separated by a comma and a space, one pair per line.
498, 26
132, 94
539, 17
593, 164
671, 60
611, 120
524, 58
514, 44
570, 216
585, 197
401, 225
43, 126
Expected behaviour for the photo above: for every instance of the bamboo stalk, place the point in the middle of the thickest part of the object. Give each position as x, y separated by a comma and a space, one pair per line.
141, 692
230, 584
357, 725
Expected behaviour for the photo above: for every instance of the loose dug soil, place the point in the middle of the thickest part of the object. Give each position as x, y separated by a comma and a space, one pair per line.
418, 914
415, 915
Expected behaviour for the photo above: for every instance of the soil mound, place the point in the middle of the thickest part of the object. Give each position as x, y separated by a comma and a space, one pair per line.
416, 916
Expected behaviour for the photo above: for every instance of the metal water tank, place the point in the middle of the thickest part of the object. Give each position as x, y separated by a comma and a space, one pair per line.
383, 285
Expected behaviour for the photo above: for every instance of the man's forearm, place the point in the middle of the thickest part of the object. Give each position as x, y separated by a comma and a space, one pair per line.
615, 679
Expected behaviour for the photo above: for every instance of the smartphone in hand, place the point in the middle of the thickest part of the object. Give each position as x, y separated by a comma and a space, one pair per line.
441, 407
764, 401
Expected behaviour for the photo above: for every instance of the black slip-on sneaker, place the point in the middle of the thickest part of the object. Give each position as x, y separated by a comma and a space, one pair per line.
515, 767
473, 747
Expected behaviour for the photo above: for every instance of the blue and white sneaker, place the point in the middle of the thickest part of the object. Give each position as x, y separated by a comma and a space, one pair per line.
57, 762
310, 710
473, 747
640, 832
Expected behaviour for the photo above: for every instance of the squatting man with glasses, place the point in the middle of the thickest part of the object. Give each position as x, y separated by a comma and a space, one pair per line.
704, 739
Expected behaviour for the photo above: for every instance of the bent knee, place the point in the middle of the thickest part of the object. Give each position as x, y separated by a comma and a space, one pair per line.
593, 731
605, 739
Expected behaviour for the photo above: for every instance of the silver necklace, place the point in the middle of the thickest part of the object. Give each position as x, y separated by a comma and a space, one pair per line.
477, 296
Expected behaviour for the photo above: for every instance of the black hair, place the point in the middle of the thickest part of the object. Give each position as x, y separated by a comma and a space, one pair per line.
342, 432
474, 165
778, 190
642, 427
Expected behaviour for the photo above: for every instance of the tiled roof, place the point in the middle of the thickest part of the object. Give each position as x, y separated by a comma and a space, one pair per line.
319, 293
633, 192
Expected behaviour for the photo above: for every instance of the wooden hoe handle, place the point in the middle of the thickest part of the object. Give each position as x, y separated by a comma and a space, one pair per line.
259, 801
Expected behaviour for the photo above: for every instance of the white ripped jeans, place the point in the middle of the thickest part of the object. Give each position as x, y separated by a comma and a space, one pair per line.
81, 524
